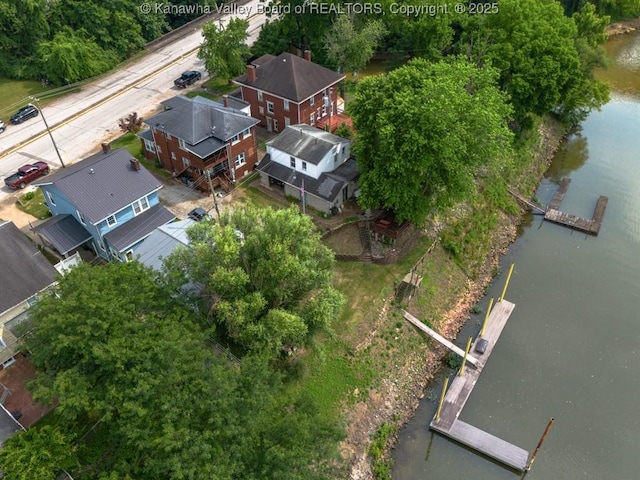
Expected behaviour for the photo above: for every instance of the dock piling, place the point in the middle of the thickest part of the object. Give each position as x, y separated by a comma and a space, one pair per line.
444, 391
464, 359
486, 317
506, 284
544, 435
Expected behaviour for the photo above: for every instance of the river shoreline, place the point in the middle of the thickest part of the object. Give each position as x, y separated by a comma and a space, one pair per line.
397, 400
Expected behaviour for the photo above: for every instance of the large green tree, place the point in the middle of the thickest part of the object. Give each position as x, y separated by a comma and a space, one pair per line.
535, 48
126, 360
266, 276
350, 47
224, 50
425, 133
23, 25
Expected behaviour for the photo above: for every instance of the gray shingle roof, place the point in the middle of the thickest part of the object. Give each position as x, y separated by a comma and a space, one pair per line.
64, 232
102, 184
306, 142
326, 186
162, 242
8, 425
138, 228
196, 119
290, 76
24, 270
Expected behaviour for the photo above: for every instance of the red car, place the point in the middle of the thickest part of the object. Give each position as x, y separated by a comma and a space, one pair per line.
26, 174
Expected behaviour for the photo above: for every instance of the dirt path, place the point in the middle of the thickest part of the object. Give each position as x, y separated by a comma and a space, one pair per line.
9, 211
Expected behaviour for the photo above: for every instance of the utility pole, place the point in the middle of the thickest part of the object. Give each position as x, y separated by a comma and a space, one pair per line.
213, 192
37, 100
304, 210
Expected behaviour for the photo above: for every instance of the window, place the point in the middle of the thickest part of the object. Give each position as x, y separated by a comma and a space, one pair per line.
312, 118
186, 162
169, 137
129, 256
324, 110
111, 221
270, 107
335, 157
140, 206
149, 145
114, 253
158, 149
259, 96
286, 105
240, 159
32, 300
311, 100
324, 92
292, 162
287, 121
182, 144
235, 139
246, 133
50, 195
173, 155
81, 217
304, 165
275, 125
261, 110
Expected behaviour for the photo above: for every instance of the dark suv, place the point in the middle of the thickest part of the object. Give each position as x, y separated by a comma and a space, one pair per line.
25, 113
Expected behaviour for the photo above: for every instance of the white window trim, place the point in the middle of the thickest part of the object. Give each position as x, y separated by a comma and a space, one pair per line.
261, 110
246, 133
149, 145
182, 144
312, 118
169, 137
304, 166
275, 125
139, 204
259, 95
237, 161
285, 105
287, 121
81, 218
235, 139
311, 101
186, 162
270, 107
51, 201
110, 224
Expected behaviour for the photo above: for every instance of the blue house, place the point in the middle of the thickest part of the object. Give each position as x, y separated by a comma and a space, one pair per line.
107, 202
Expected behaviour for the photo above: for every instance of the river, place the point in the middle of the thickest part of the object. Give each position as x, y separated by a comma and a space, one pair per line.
571, 349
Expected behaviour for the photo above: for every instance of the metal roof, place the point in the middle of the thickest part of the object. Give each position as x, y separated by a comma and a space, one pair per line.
306, 142
24, 270
290, 76
162, 242
139, 227
102, 184
196, 119
64, 232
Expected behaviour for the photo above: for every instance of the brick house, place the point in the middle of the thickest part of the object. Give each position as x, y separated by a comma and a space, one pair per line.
289, 90
196, 137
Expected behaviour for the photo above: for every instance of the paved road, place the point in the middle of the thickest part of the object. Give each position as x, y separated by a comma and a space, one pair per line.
81, 121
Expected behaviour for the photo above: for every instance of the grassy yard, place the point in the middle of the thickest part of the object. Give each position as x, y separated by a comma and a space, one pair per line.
16, 93
132, 143
33, 204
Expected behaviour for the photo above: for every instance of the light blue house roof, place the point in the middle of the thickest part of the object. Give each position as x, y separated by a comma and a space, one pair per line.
162, 242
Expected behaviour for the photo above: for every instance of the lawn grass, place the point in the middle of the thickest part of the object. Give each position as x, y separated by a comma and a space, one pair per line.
132, 143
200, 93
33, 204
260, 199
220, 85
16, 93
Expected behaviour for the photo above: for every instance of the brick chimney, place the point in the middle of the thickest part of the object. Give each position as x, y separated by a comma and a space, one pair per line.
135, 164
225, 100
251, 73
307, 55
105, 147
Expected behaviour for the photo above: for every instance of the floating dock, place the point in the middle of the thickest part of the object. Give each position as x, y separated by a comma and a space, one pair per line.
455, 397
553, 214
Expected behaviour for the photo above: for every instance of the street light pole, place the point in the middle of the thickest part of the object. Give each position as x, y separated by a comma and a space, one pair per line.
48, 130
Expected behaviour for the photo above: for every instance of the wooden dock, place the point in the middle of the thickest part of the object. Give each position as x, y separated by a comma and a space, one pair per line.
553, 214
447, 422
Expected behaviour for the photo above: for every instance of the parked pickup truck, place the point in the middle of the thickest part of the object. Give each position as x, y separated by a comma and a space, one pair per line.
26, 174
187, 78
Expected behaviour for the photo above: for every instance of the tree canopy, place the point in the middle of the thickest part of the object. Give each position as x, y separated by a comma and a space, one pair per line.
224, 50
425, 131
266, 276
535, 48
126, 360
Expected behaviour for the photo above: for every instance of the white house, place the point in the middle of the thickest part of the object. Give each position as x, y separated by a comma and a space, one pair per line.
309, 163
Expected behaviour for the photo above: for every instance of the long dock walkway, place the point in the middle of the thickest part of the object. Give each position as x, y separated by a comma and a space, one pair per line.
446, 420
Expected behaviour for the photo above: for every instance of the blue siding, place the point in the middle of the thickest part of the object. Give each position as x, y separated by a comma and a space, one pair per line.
64, 206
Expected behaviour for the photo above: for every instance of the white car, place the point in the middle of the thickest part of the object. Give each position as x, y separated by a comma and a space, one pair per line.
2, 126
